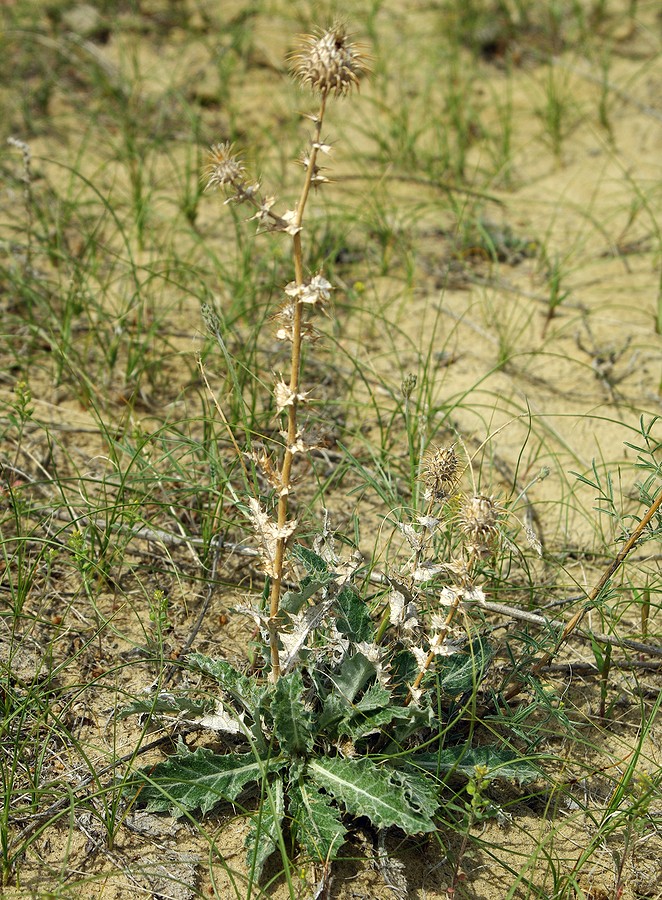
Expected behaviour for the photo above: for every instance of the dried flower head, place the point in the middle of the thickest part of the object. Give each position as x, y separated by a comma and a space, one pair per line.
440, 472
224, 168
266, 220
285, 396
284, 319
313, 293
329, 62
479, 520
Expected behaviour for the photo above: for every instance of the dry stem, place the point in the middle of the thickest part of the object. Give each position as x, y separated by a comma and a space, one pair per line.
295, 377
571, 626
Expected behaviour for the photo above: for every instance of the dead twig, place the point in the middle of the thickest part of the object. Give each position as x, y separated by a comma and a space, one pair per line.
574, 622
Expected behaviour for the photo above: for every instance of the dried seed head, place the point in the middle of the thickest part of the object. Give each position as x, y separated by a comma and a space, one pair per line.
440, 472
284, 319
224, 168
329, 62
479, 520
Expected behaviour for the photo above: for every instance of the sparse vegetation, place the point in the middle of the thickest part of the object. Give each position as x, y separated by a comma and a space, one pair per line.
387, 623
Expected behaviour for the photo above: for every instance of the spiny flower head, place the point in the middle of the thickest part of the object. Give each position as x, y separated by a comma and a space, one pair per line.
224, 168
479, 519
329, 62
440, 472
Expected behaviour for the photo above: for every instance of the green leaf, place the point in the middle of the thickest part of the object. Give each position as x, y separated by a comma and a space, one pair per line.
376, 697
262, 838
244, 690
404, 670
167, 703
314, 565
335, 709
355, 671
292, 601
422, 717
352, 616
200, 780
362, 724
293, 723
385, 796
463, 671
499, 762
317, 822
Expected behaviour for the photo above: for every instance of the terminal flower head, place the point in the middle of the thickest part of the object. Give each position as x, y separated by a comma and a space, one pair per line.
329, 62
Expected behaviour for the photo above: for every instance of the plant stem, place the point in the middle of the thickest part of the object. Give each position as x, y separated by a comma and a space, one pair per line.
295, 378
431, 655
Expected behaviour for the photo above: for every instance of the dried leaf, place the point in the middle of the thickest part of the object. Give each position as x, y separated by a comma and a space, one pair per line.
268, 534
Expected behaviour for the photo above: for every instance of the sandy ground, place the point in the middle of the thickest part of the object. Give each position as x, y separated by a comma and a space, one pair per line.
568, 389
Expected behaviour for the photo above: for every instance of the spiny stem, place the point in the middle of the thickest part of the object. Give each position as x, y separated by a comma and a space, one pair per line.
295, 377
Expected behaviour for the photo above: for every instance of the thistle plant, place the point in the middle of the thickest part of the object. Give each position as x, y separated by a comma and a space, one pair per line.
344, 722
330, 64
359, 723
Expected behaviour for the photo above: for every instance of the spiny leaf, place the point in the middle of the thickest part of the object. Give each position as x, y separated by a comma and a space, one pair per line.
317, 821
500, 763
376, 697
292, 601
378, 792
353, 618
241, 688
355, 671
293, 723
303, 625
262, 837
314, 565
199, 780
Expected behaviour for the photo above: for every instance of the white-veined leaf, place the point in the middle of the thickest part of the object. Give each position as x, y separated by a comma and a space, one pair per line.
292, 721
378, 792
316, 818
199, 780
